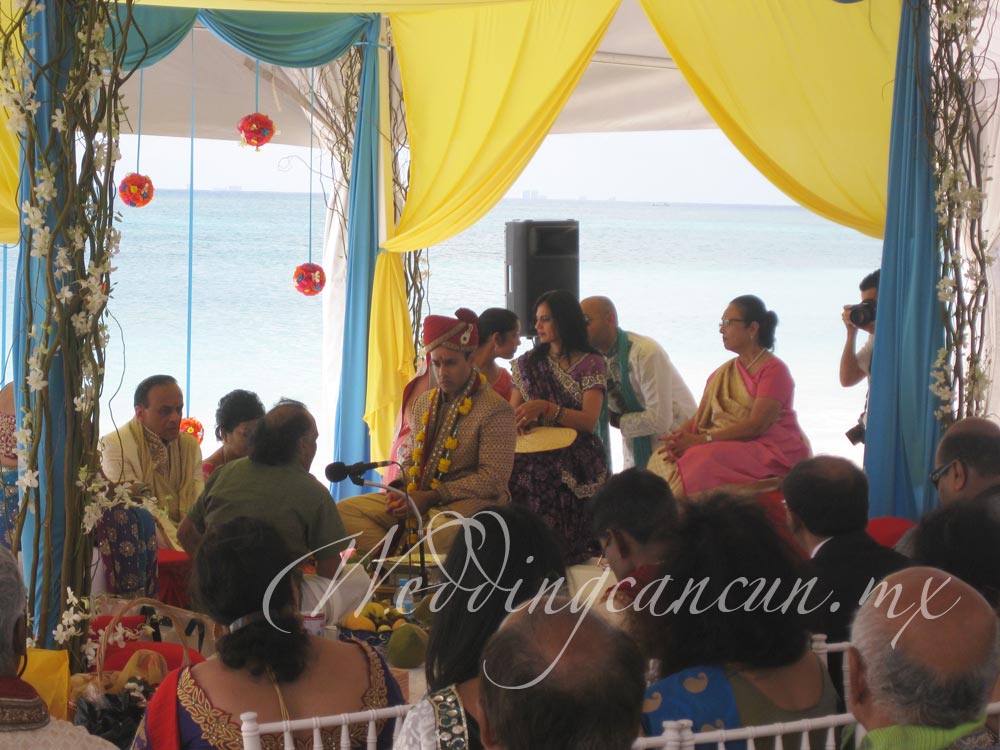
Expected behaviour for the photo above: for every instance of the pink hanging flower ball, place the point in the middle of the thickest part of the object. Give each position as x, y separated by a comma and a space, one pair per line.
135, 190
256, 130
309, 279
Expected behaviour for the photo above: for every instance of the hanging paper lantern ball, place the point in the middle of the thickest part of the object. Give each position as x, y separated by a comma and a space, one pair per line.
136, 190
309, 279
256, 129
193, 427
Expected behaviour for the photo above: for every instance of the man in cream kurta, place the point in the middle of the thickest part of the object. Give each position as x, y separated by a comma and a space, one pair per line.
649, 398
462, 448
151, 449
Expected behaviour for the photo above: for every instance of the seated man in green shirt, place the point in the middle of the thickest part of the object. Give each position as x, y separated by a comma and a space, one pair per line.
273, 484
923, 661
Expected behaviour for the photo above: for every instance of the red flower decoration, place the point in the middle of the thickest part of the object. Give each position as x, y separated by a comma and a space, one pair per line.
136, 190
309, 279
256, 129
193, 427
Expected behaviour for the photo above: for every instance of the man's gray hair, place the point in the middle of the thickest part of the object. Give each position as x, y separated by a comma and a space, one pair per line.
913, 694
13, 596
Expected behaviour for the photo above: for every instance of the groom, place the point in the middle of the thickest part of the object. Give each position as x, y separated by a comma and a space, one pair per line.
461, 448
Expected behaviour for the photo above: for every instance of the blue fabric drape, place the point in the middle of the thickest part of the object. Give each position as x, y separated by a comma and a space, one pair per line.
31, 300
155, 33
902, 430
351, 439
294, 40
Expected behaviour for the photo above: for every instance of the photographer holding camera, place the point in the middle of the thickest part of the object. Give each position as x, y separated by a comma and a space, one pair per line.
855, 365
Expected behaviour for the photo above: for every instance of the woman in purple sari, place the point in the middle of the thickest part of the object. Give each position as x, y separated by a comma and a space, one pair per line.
560, 383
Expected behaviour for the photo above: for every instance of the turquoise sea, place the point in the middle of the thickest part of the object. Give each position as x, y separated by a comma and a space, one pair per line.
671, 269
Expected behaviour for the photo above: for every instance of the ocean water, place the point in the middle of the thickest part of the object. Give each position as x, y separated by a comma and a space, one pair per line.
671, 270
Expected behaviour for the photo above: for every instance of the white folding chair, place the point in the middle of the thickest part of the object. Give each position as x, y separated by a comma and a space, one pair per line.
822, 649
677, 735
252, 730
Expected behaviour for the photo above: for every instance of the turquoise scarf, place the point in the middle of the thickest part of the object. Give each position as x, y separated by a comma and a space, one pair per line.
642, 446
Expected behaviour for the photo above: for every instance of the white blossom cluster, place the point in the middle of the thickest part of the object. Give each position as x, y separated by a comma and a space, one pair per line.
71, 623
957, 374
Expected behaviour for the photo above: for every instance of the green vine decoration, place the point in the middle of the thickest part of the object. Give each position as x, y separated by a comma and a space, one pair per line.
958, 115
69, 232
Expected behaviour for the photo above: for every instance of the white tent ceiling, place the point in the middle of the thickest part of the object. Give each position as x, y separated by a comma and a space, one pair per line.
631, 84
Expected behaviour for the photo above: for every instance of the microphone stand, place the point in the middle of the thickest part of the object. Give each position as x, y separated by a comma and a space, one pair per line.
360, 481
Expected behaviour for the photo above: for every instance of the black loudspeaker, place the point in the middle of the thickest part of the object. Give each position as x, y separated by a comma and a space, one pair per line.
541, 255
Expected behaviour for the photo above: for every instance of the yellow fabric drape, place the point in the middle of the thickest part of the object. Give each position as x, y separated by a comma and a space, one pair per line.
10, 160
390, 352
802, 89
10, 163
327, 6
482, 88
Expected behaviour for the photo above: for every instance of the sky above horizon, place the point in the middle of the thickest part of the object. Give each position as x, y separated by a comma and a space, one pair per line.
697, 166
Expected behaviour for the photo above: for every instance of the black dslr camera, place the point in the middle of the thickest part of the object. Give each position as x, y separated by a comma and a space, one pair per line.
863, 313
857, 433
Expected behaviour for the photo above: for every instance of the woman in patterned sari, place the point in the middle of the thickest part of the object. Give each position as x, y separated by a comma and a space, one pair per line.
745, 436
277, 670
560, 383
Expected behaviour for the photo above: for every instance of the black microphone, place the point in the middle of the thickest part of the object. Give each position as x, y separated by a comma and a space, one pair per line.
338, 471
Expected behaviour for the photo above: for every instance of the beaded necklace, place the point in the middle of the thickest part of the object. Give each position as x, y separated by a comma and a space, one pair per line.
429, 468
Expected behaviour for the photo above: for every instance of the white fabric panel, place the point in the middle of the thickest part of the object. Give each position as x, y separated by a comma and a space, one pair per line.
224, 93
989, 149
631, 85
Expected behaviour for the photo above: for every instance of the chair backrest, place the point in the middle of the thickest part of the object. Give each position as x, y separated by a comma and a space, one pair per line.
252, 730
823, 649
677, 735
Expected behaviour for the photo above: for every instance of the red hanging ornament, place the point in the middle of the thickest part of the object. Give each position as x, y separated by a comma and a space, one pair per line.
256, 130
194, 428
309, 279
136, 190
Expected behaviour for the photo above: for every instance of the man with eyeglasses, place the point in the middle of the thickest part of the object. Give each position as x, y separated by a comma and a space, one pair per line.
967, 468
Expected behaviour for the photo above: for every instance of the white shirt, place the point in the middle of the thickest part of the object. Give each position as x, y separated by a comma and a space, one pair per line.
665, 398
864, 356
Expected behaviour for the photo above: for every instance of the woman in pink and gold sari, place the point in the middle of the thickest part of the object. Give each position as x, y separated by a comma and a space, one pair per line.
745, 436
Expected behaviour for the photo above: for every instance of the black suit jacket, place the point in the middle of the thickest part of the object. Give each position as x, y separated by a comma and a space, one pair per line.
846, 567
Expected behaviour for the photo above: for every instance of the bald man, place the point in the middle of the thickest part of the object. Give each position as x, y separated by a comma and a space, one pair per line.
646, 395
923, 661
967, 465
533, 694
966, 469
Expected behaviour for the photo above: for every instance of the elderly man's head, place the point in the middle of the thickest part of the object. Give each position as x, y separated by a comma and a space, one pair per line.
968, 459
13, 614
590, 699
286, 434
924, 652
